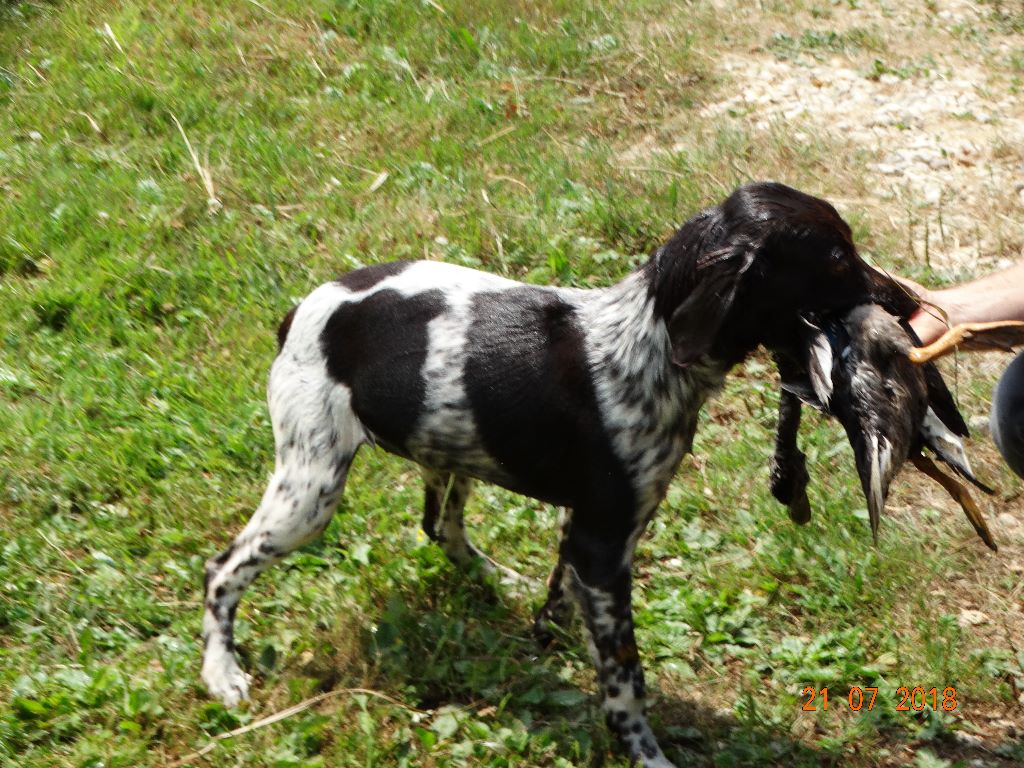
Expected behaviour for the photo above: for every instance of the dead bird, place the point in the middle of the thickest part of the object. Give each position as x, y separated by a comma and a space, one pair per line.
867, 369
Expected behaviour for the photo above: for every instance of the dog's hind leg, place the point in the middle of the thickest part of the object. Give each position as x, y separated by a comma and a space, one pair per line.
444, 504
444, 500
317, 436
557, 608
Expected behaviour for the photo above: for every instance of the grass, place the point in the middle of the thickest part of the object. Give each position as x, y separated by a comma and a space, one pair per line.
820, 43
138, 320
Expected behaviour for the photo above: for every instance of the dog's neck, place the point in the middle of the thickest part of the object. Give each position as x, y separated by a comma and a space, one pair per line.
628, 334
650, 405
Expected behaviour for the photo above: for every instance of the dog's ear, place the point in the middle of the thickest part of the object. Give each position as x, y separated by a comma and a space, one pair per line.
694, 324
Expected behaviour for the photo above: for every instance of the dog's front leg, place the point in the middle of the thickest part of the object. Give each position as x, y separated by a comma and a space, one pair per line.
598, 570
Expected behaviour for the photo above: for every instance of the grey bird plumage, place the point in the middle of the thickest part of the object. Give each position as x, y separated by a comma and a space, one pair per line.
859, 369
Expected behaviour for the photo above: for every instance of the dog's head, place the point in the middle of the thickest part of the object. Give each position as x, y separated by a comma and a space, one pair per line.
742, 274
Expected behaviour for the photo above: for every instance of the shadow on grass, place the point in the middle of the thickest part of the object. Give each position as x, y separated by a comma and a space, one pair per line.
460, 641
696, 735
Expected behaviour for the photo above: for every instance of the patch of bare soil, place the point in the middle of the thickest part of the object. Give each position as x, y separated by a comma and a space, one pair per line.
929, 97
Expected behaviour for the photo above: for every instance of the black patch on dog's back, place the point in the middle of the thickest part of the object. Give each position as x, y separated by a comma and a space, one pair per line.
534, 402
377, 347
364, 279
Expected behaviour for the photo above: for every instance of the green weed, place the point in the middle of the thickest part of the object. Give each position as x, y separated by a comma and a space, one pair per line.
819, 43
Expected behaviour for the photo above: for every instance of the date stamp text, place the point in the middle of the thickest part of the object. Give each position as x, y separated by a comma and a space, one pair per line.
906, 699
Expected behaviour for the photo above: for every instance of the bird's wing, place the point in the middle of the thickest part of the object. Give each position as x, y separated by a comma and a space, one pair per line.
949, 447
803, 391
940, 399
816, 389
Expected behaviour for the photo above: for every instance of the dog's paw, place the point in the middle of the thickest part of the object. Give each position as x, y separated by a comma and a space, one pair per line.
551, 625
544, 636
227, 682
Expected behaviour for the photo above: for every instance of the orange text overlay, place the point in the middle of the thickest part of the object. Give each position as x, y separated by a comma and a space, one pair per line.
904, 700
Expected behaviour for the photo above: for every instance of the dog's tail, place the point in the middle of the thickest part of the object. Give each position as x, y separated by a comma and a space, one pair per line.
286, 325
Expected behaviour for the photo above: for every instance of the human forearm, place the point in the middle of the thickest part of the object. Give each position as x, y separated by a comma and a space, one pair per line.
999, 296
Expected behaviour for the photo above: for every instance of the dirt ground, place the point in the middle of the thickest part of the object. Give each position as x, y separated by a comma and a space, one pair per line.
928, 92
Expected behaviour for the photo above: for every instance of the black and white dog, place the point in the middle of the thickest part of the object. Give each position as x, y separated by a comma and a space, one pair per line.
586, 399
